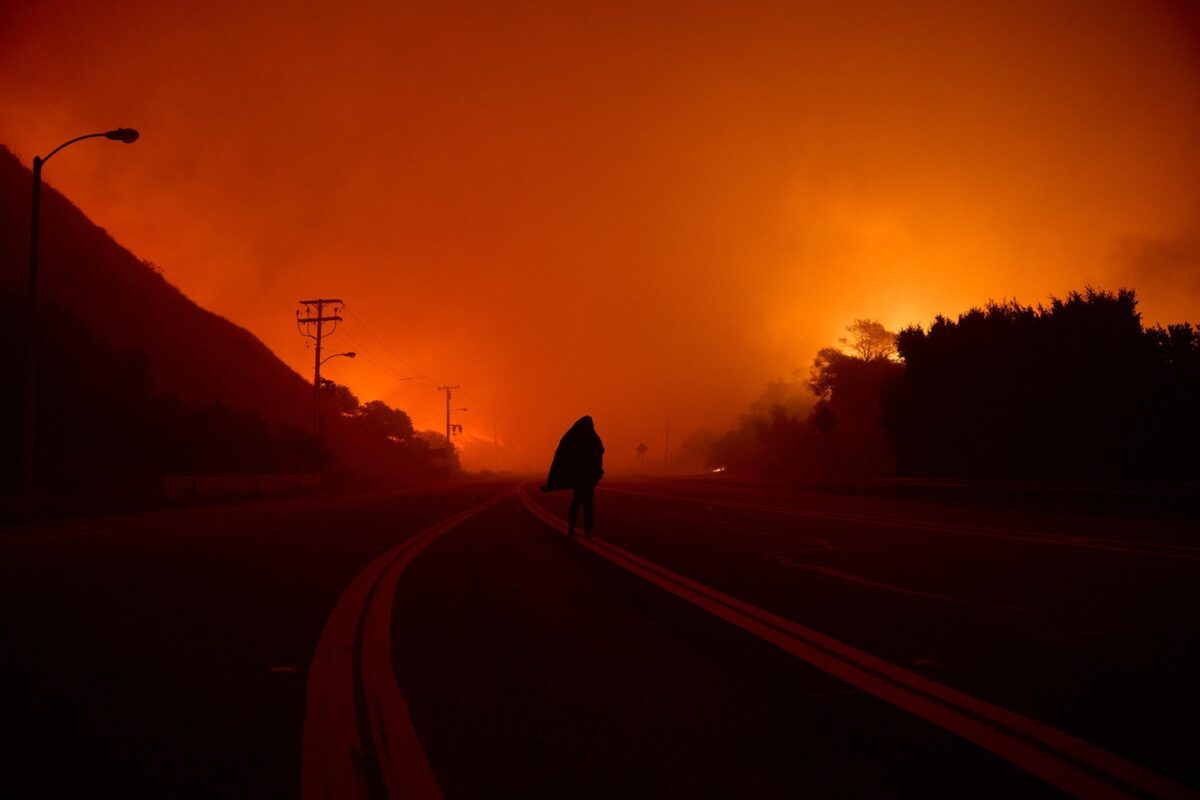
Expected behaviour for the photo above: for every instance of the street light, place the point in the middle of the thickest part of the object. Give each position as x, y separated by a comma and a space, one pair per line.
335, 355
127, 136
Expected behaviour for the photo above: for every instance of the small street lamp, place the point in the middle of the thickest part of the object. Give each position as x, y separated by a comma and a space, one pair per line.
29, 457
335, 355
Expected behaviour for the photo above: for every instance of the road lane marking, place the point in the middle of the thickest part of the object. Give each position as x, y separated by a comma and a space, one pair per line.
819, 546
1063, 760
57, 537
353, 663
1186, 552
1074, 634
948, 598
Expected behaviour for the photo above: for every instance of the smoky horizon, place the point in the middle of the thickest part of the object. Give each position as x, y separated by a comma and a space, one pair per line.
597, 209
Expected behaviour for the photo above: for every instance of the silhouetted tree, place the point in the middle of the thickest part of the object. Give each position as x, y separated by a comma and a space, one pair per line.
849, 385
341, 399
433, 443
778, 436
389, 423
768, 438
869, 340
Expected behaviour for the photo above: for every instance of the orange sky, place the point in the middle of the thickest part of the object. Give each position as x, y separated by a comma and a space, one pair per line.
632, 210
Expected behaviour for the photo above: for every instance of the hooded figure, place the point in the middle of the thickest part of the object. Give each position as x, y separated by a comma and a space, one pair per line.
578, 465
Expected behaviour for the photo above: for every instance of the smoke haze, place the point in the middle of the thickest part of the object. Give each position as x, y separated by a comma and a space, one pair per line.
626, 211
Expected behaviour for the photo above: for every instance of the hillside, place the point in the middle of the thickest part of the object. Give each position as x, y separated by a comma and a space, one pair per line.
198, 356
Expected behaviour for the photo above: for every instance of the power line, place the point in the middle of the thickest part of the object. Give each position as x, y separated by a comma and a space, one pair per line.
380, 363
384, 368
375, 360
387, 349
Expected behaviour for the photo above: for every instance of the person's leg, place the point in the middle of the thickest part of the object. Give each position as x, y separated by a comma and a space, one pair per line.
589, 508
573, 513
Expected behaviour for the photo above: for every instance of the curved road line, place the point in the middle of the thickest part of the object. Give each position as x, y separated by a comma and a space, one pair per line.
353, 664
1072, 764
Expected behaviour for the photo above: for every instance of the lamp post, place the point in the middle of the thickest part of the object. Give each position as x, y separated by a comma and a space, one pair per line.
29, 449
319, 422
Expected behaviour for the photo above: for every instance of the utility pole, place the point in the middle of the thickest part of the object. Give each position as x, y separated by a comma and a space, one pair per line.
312, 326
448, 390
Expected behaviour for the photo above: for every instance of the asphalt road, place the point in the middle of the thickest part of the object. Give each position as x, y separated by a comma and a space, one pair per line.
712, 640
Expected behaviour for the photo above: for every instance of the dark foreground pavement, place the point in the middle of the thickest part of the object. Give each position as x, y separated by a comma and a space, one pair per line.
167, 655
164, 655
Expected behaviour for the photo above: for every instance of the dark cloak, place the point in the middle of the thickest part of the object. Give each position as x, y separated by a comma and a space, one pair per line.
579, 459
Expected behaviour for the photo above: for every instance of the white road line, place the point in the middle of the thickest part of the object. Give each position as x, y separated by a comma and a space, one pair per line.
1065, 761
1083, 542
945, 598
334, 753
58, 537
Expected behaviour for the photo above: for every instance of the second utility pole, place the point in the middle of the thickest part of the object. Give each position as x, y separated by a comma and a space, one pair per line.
317, 321
448, 390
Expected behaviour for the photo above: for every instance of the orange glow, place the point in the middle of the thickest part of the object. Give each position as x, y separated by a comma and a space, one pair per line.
635, 211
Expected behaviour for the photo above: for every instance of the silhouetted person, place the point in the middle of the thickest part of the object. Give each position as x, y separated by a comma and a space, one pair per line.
578, 464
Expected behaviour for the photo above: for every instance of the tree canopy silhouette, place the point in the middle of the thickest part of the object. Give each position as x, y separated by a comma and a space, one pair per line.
1072, 391
340, 398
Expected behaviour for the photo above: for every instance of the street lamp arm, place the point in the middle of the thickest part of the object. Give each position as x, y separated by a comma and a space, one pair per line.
126, 135
335, 355
65, 144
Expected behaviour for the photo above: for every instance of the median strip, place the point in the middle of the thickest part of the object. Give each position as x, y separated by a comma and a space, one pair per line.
1067, 762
